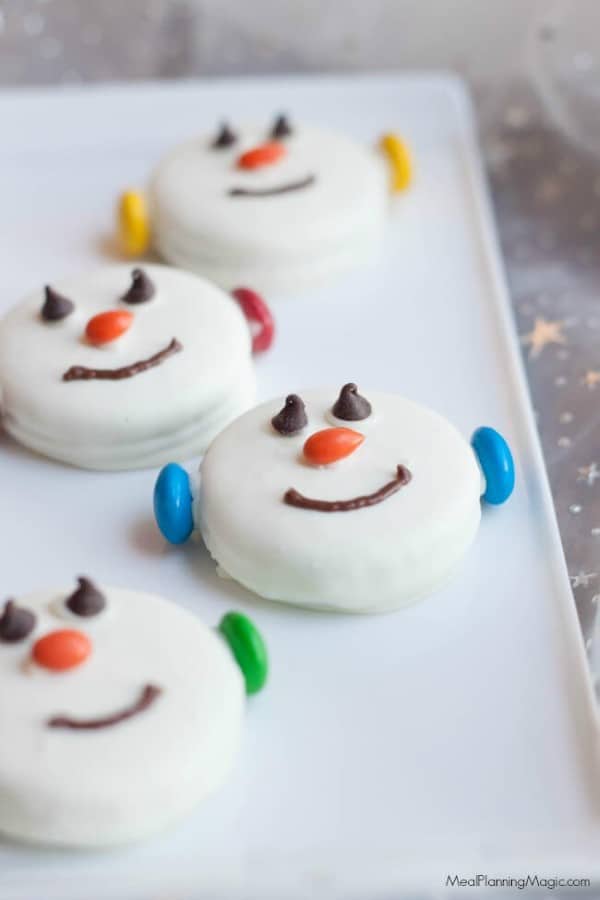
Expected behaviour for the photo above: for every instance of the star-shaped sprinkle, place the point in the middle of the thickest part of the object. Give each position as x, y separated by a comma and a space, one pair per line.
582, 578
589, 474
591, 379
544, 332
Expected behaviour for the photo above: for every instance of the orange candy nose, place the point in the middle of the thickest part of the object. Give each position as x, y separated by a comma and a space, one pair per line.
263, 155
108, 326
331, 444
61, 650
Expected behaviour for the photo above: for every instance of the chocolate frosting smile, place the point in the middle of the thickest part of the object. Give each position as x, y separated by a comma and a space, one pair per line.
270, 192
147, 697
294, 498
82, 373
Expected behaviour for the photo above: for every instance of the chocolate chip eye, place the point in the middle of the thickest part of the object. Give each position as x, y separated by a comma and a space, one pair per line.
86, 600
225, 137
281, 128
350, 406
291, 418
16, 623
56, 307
141, 289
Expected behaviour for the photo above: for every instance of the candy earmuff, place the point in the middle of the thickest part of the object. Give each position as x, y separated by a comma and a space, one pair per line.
134, 223
248, 648
399, 158
173, 504
496, 463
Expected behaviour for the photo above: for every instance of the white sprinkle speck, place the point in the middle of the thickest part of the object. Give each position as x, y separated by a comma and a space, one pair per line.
582, 578
588, 474
564, 441
565, 418
595, 532
575, 508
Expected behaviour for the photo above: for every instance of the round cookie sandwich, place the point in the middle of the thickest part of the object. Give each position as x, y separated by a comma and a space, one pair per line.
120, 712
117, 369
280, 206
363, 503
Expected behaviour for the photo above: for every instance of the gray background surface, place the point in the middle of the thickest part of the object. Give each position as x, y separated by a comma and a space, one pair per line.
534, 70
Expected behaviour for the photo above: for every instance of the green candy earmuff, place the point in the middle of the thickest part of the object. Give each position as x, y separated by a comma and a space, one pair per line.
248, 648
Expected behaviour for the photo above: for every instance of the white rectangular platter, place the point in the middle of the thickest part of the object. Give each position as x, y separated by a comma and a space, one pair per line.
456, 736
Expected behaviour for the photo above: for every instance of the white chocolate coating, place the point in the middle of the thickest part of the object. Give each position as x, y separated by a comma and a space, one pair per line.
285, 242
121, 783
171, 411
364, 560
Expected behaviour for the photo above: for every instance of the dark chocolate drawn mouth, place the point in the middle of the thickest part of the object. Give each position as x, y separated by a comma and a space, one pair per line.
294, 498
148, 695
82, 373
270, 192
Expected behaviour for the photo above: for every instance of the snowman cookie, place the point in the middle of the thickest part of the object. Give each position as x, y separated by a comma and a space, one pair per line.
278, 205
119, 712
121, 369
338, 500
